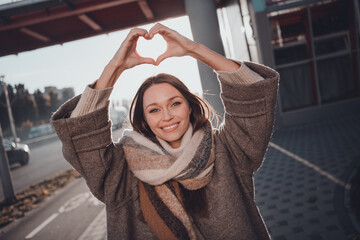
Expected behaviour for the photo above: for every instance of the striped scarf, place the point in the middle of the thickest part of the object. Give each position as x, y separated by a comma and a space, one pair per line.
159, 168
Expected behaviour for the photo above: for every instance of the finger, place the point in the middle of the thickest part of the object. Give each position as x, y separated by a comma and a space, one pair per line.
137, 32
161, 58
158, 28
148, 61
154, 28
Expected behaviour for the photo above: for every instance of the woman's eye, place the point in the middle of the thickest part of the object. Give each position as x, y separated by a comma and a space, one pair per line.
153, 110
176, 103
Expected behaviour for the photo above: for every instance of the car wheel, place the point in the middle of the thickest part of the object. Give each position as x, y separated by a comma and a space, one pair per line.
24, 160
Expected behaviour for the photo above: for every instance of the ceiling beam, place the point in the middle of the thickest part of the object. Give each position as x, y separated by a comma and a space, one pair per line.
5, 20
34, 34
90, 22
66, 14
144, 6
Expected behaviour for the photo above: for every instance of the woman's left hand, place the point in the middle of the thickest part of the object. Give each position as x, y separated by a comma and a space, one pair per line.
177, 44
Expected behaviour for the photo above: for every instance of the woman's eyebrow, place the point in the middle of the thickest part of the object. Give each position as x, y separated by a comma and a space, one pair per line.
168, 100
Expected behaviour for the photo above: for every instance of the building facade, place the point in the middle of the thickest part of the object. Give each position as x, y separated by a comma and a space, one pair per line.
314, 45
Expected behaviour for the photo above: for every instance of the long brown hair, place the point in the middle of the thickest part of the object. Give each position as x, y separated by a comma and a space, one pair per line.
201, 114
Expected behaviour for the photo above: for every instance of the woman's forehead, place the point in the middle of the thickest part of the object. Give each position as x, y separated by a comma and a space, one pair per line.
160, 93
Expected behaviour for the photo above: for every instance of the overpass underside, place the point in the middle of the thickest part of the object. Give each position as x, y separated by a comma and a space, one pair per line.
31, 24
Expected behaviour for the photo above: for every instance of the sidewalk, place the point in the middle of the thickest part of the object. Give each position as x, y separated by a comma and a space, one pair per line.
302, 189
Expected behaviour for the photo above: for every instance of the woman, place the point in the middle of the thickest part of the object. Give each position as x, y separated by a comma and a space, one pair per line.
173, 176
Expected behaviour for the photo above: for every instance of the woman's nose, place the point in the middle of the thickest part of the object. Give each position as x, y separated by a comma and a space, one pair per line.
167, 115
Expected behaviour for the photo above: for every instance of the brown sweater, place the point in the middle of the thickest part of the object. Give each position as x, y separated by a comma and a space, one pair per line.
240, 146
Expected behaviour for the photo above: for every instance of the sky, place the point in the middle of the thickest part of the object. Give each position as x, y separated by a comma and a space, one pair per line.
78, 63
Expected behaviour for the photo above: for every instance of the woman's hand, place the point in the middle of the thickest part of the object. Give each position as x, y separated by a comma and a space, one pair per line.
177, 44
126, 57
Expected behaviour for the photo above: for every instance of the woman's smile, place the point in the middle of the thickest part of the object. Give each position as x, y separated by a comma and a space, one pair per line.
170, 128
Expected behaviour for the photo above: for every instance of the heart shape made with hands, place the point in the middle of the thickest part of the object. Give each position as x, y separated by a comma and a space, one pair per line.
152, 48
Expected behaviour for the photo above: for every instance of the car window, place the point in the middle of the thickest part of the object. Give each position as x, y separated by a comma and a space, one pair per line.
7, 145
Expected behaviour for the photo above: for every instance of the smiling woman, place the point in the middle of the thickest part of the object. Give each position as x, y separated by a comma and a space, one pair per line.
173, 176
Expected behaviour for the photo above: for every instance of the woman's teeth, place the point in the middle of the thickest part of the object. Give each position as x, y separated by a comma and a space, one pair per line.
170, 127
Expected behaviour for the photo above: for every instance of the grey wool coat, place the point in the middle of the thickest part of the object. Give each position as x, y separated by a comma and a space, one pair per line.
240, 146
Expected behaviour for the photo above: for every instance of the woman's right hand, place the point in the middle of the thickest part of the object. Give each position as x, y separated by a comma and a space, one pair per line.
126, 57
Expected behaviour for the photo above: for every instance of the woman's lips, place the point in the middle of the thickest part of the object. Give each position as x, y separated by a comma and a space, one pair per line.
170, 128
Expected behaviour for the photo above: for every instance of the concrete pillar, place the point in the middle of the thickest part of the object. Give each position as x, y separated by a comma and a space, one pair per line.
205, 29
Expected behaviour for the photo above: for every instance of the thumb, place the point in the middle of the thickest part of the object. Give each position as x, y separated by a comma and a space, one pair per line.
148, 61
161, 58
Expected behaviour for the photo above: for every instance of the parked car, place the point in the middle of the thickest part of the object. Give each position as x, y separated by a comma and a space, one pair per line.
40, 130
17, 153
12, 139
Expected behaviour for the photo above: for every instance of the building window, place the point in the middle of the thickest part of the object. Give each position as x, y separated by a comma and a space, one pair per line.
292, 53
335, 79
315, 52
334, 40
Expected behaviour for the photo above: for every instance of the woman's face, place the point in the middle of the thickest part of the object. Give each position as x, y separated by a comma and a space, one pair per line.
167, 112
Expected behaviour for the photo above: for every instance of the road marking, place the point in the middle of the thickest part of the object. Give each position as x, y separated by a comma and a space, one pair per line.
313, 166
41, 226
68, 206
95, 201
74, 202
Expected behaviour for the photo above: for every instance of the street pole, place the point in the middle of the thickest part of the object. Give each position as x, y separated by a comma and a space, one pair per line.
11, 118
5, 175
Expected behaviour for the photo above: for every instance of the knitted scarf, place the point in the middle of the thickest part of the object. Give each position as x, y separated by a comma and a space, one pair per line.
159, 168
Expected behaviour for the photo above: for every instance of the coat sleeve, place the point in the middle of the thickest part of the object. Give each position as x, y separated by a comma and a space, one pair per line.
87, 145
249, 115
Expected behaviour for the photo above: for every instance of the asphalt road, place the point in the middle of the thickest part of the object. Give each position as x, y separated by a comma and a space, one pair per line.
68, 214
46, 160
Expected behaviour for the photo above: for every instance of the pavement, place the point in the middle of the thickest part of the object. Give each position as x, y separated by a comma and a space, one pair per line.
302, 188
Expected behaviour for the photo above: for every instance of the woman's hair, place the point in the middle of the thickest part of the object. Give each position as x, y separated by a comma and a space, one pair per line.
201, 111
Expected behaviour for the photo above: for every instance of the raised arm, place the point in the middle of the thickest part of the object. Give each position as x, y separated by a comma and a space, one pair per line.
86, 135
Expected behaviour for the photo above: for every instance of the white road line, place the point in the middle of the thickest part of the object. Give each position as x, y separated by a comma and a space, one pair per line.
309, 164
41, 226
